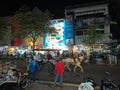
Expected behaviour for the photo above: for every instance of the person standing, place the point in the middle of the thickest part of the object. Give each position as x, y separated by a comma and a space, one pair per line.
32, 68
49, 56
59, 71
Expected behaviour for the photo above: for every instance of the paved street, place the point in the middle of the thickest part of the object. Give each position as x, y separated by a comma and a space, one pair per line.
94, 71
72, 80
44, 85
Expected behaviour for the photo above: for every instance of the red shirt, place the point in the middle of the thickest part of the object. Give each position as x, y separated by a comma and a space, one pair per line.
59, 67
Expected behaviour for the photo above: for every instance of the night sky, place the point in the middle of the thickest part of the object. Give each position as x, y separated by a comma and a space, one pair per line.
8, 7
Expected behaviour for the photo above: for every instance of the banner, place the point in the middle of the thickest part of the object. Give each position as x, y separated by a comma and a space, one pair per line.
69, 30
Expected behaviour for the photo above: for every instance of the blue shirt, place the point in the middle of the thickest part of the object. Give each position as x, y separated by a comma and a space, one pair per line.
32, 65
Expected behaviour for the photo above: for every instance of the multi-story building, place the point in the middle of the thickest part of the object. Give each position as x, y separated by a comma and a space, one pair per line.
88, 14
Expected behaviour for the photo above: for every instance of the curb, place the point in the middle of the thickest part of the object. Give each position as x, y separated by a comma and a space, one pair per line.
65, 84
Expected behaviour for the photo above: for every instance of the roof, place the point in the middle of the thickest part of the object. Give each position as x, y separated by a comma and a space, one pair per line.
87, 4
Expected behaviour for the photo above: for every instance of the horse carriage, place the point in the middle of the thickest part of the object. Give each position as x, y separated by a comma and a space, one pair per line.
76, 62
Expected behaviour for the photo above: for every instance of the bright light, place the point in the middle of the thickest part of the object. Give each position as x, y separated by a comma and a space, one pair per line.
56, 40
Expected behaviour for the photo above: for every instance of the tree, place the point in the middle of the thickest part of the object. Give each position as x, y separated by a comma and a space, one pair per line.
32, 25
4, 31
92, 36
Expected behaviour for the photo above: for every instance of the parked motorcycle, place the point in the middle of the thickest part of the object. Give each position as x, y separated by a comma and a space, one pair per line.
23, 79
17, 81
87, 84
108, 84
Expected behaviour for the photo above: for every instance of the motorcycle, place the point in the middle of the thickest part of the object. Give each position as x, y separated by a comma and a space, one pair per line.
17, 81
108, 84
87, 84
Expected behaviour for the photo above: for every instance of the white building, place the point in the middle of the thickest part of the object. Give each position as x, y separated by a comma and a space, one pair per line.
89, 14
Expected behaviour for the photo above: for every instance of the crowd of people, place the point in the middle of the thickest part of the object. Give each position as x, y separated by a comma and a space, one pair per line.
33, 66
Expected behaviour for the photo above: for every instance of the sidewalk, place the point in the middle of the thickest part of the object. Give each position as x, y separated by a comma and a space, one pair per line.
45, 85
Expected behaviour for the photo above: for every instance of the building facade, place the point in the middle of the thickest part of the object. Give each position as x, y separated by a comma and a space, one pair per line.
89, 14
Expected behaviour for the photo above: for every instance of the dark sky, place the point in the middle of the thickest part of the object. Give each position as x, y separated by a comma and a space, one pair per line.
8, 7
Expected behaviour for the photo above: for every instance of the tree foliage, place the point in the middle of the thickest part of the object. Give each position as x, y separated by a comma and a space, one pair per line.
31, 24
92, 36
4, 31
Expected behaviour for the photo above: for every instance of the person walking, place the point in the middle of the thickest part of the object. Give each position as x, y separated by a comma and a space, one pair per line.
32, 68
59, 71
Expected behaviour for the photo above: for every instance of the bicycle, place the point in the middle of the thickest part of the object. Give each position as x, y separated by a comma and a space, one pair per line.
50, 66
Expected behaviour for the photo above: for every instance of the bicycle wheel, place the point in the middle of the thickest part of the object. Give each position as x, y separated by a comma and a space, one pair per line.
24, 82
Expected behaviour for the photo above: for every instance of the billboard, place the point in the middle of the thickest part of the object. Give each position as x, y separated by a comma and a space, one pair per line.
55, 39
84, 21
69, 30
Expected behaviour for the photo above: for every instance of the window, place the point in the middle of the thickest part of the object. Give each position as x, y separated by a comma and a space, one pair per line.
79, 33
